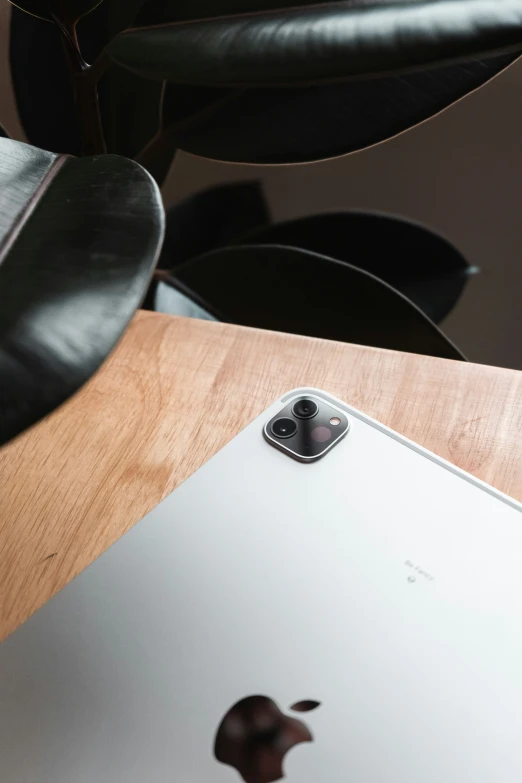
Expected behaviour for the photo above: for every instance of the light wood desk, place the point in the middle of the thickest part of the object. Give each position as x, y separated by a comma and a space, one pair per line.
174, 392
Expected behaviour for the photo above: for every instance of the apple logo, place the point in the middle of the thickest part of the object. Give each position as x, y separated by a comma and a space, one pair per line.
255, 736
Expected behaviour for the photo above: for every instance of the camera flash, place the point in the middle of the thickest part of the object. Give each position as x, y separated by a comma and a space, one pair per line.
335, 421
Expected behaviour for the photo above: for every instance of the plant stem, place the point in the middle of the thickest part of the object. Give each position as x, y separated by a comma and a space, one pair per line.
85, 89
89, 117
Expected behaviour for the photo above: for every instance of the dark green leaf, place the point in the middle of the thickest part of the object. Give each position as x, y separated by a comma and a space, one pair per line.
320, 43
182, 110
314, 123
163, 11
284, 125
224, 212
68, 11
292, 290
130, 105
79, 239
261, 125
178, 105
168, 295
417, 262
182, 107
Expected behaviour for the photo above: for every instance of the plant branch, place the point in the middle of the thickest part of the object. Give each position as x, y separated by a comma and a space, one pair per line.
99, 66
161, 142
71, 41
85, 90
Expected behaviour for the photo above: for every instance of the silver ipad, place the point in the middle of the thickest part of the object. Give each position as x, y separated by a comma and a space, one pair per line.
323, 600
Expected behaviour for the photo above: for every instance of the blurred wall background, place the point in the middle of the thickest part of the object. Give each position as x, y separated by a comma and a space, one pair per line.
459, 174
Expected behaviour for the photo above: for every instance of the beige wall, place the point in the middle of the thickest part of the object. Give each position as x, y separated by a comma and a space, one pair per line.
459, 174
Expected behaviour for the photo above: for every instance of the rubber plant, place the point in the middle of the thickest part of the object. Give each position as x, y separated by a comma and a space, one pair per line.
108, 91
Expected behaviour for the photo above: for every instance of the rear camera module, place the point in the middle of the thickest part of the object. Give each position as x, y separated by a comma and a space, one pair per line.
305, 409
284, 428
306, 427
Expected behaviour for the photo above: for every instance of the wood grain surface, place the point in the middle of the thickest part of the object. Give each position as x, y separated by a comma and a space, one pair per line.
174, 392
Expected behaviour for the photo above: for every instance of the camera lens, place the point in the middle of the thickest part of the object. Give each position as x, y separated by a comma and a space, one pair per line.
284, 428
305, 409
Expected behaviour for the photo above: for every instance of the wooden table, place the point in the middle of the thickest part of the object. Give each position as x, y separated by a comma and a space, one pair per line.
174, 392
